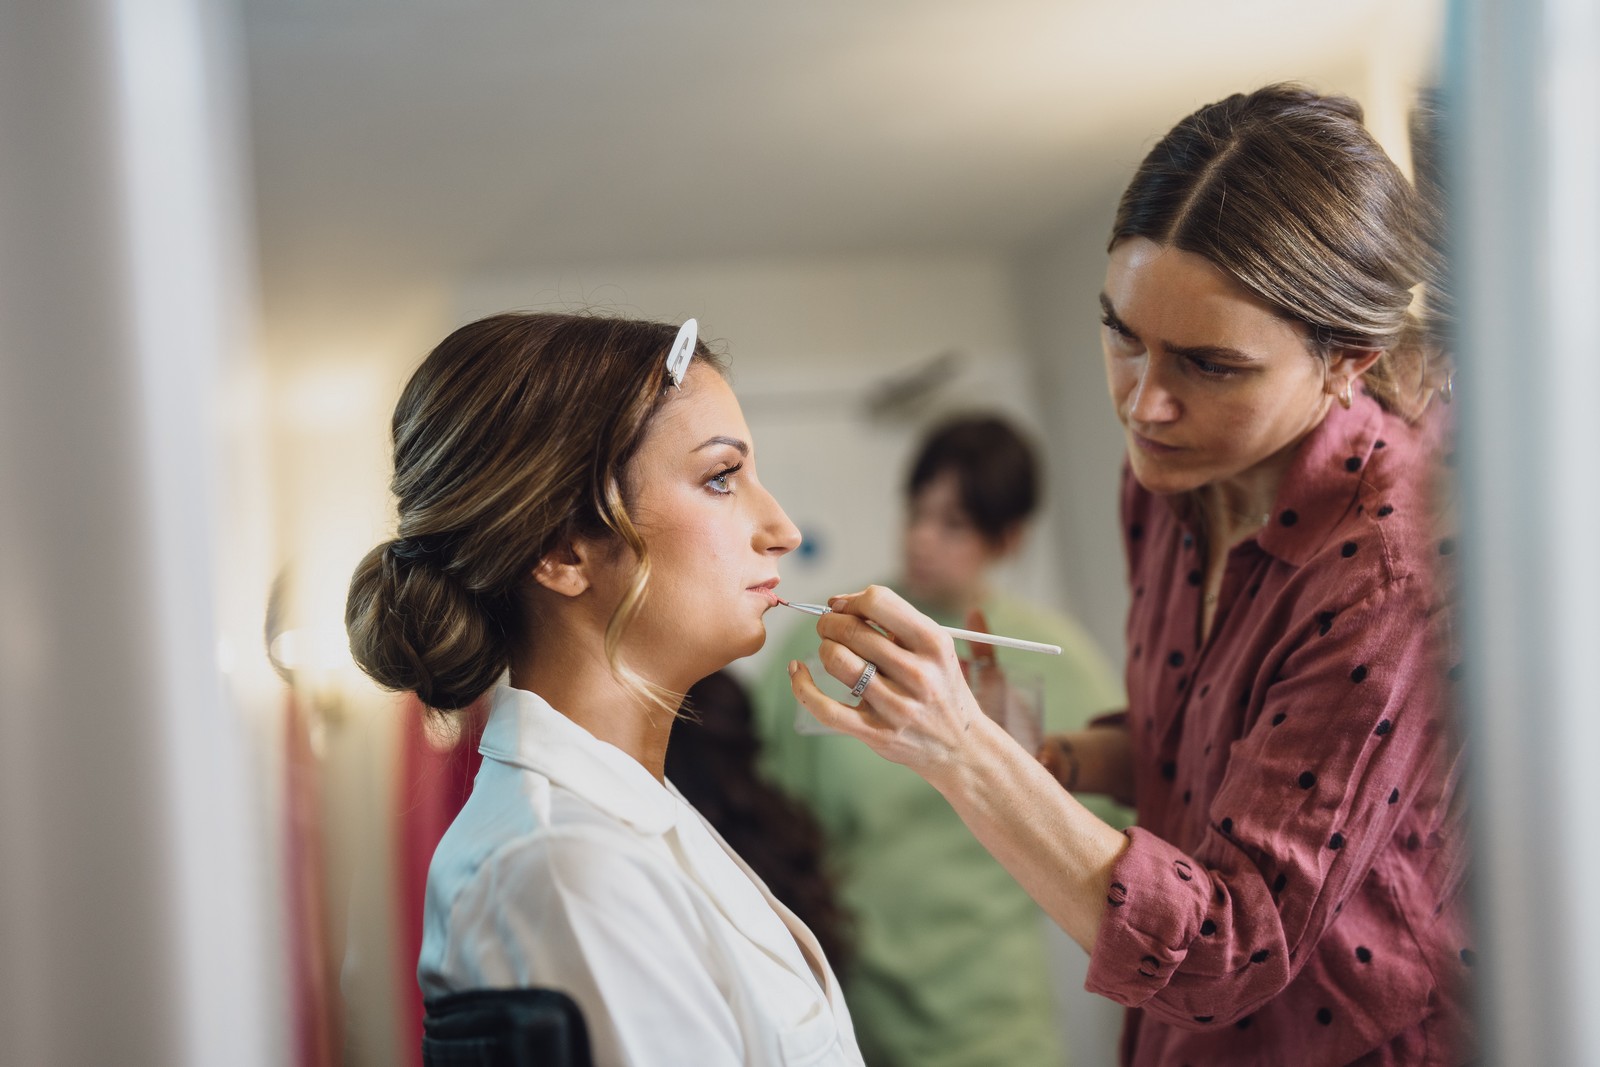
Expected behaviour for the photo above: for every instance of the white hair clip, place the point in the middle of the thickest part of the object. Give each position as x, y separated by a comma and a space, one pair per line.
682, 351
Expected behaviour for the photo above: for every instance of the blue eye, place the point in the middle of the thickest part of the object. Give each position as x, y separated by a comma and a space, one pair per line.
719, 483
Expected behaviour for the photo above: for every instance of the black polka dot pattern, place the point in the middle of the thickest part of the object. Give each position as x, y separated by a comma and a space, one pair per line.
1135, 532
1469, 957
1277, 720
1288, 516
1394, 796
1447, 546
1169, 770
1307, 779
1279, 882
1175, 659
1208, 928
1348, 549
1364, 954
1385, 511
1204, 1018
1259, 956
1324, 623
1244, 1024
1324, 1016
1194, 578
1336, 842
1226, 826
1383, 728
1359, 675
1352, 464
1183, 870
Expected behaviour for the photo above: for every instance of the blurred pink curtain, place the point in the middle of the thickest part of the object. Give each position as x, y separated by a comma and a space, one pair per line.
437, 763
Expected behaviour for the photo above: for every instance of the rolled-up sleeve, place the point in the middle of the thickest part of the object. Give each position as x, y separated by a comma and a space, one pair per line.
1345, 731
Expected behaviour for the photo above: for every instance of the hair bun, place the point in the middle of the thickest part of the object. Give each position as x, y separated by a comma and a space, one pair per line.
413, 626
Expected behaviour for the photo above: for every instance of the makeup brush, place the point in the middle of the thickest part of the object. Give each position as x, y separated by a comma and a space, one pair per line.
954, 631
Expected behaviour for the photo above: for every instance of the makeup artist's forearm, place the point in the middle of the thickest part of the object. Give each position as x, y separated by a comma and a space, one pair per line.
1055, 848
1105, 761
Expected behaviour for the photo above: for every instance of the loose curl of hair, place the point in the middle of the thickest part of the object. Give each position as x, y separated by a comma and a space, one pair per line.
512, 439
1287, 191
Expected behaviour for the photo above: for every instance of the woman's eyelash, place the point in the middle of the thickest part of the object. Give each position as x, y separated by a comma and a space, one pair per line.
718, 482
1114, 326
1212, 370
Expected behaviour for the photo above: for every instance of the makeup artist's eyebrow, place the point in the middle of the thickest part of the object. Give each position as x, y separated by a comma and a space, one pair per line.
1212, 352
732, 442
1203, 352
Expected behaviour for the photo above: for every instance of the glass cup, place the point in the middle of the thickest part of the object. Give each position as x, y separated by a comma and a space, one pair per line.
1011, 697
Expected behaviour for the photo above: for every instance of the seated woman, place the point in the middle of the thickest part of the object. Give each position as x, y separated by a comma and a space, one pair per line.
582, 532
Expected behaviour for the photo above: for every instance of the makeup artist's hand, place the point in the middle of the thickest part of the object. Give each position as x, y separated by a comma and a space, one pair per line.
917, 710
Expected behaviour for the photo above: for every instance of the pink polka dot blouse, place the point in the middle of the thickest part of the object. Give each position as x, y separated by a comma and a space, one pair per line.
1292, 891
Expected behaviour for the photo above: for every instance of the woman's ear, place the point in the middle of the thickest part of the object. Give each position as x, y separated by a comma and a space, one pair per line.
1347, 365
563, 570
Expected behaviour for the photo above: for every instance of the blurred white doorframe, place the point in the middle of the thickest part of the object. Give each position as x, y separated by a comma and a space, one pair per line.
134, 907
1523, 85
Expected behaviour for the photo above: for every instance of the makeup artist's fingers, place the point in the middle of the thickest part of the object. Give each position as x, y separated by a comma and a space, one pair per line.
866, 642
887, 722
981, 653
888, 610
860, 722
847, 666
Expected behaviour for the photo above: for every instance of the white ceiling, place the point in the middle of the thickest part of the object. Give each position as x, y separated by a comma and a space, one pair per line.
397, 140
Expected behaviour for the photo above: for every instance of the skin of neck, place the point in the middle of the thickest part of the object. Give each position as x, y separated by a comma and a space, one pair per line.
564, 661
1235, 505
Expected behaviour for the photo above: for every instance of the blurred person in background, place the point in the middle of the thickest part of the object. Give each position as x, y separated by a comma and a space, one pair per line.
1293, 891
582, 536
712, 761
951, 965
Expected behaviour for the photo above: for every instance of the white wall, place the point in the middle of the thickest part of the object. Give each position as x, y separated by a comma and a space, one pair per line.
136, 901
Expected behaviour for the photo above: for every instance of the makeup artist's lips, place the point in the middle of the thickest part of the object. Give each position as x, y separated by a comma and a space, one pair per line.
1155, 448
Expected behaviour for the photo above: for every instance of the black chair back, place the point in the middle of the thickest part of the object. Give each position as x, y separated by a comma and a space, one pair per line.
505, 1028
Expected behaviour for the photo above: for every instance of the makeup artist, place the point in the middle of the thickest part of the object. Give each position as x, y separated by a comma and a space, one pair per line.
1292, 891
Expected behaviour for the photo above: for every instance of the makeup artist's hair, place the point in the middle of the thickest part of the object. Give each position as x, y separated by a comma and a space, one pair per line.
995, 468
510, 440
1287, 191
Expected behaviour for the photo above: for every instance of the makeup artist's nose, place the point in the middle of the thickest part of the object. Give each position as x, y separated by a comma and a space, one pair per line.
1150, 401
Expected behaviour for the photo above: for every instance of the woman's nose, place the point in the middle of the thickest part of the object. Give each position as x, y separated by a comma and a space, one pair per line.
778, 535
1151, 401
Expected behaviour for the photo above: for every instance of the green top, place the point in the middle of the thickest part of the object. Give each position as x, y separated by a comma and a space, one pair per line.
951, 964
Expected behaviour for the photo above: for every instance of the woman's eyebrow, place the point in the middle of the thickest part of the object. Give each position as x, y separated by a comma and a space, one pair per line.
1205, 352
732, 442
1210, 352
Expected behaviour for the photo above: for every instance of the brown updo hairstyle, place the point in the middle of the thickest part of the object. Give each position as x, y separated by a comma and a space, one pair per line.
1287, 190
511, 439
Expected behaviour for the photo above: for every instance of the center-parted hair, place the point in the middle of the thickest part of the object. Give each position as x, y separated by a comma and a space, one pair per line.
511, 439
1287, 190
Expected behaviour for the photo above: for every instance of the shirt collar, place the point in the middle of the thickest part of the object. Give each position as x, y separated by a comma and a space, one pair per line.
1323, 481
525, 731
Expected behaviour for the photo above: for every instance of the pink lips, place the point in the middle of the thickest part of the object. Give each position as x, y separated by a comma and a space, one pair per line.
766, 589
1154, 447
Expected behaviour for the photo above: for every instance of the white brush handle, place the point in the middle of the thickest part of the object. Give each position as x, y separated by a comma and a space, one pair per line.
954, 631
